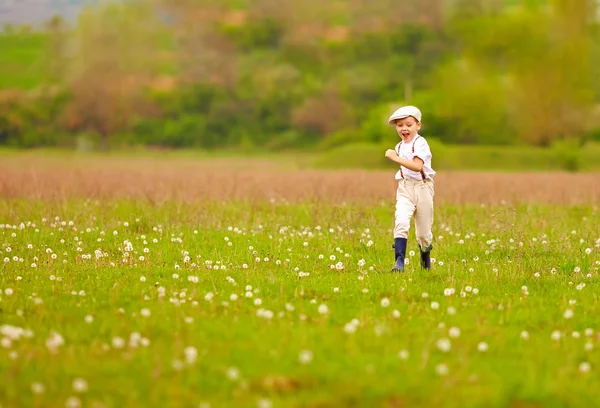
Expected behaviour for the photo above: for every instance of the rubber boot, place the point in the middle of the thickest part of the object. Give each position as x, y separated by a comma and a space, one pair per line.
426, 257
400, 252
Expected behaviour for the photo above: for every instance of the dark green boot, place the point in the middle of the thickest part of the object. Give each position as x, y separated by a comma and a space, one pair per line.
400, 252
426, 257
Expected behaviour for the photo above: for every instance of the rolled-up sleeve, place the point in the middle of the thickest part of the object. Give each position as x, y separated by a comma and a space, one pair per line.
422, 150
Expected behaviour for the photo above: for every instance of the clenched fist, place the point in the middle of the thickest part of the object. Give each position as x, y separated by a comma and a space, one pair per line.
391, 154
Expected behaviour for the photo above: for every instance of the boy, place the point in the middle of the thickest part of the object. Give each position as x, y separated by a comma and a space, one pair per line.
415, 192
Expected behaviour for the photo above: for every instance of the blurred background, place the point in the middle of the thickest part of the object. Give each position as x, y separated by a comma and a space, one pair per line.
503, 84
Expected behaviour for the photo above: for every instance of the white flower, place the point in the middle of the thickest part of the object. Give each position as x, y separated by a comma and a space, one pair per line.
441, 369
403, 355
6, 342
454, 332
589, 332
362, 263
233, 297
257, 302
305, 356
73, 402
323, 309
588, 251
209, 296
584, 367
37, 388
448, 291
396, 314
482, 347
89, 319
142, 279
435, 305
385, 302
54, 342
8, 291
145, 312
568, 314
525, 335
118, 342
80, 385
475, 291
233, 373
555, 335
191, 354
444, 345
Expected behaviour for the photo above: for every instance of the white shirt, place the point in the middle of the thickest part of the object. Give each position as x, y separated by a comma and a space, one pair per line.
422, 151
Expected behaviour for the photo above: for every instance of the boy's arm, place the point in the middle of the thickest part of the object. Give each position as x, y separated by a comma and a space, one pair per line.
415, 164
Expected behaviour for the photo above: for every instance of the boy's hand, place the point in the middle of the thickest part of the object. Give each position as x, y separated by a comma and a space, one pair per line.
391, 154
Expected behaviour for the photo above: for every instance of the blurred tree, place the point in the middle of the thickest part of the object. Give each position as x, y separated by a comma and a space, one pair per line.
112, 59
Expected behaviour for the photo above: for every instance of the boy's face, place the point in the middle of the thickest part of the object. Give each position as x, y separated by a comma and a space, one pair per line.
407, 128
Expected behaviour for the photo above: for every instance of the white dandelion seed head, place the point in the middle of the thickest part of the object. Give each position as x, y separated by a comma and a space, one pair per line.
454, 332
80, 385
444, 345
441, 369
585, 367
305, 356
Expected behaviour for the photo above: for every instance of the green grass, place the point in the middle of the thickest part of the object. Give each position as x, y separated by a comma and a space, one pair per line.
347, 369
471, 157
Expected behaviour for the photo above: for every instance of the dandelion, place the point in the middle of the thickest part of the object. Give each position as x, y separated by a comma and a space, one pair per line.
145, 312
454, 332
305, 356
118, 342
89, 319
441, 369
435, 305
209, 297
568, 314
385, 302
80, 385
323, 309
588, 251
443, 345
589, 332
482, 347
38, 388
525, 335
8, 292
451, 310
585, 367
73, 402
403, 355
555, 335
233, 373
191, 354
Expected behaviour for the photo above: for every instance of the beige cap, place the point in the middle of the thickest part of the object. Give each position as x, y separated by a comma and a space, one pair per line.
405, 112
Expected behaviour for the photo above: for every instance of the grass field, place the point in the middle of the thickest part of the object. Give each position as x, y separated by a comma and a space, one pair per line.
157, 283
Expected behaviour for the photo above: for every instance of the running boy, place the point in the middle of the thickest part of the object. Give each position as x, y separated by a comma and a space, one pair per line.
415, 186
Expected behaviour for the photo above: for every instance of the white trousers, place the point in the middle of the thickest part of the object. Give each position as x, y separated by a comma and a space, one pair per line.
415, 198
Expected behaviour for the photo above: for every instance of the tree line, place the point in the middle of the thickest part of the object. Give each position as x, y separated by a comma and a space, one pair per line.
286, 74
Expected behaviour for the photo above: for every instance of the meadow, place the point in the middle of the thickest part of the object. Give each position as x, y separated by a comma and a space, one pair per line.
247, 283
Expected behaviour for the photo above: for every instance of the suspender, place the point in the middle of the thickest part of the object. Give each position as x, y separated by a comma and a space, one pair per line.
413, 152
